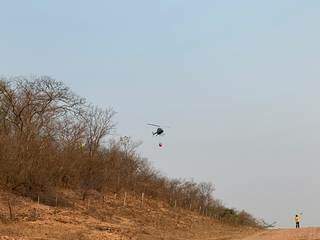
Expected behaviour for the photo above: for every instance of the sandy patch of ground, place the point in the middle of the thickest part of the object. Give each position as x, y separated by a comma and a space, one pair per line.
288, 234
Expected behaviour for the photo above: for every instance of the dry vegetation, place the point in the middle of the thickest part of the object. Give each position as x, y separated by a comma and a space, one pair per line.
106, 217
52, 139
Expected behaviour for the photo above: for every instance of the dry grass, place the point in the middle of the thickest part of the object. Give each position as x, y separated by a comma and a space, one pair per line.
107, 219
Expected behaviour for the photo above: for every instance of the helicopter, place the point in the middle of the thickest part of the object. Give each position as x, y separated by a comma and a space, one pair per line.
159, 131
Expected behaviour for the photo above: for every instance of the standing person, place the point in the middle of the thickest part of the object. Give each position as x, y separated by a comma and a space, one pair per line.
297, 219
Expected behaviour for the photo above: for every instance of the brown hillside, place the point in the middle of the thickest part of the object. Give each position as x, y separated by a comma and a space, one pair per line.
106, 217
53, 139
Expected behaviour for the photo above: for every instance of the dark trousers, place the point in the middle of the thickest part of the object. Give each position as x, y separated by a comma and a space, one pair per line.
297, 225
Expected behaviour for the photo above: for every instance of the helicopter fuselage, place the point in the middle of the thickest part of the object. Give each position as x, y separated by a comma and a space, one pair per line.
158, 132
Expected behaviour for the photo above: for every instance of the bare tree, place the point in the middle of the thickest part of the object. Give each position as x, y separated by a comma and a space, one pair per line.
206, 189
98, 124
31, 112
34, 106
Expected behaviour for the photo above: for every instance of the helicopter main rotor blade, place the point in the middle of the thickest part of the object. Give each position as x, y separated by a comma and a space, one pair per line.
155, 125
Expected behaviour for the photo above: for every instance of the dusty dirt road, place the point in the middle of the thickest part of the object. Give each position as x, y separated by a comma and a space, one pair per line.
287, 234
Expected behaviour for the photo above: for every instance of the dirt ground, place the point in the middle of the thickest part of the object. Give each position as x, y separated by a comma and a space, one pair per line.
287, 234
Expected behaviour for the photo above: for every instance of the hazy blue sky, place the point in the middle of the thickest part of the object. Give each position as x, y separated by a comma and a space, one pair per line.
237, 81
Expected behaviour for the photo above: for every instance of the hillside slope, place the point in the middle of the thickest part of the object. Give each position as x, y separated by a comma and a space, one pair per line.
106, 217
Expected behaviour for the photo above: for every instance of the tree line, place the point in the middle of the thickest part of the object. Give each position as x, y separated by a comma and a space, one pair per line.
50, 137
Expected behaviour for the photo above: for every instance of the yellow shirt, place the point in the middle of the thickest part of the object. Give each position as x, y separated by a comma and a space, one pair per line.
297, 219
